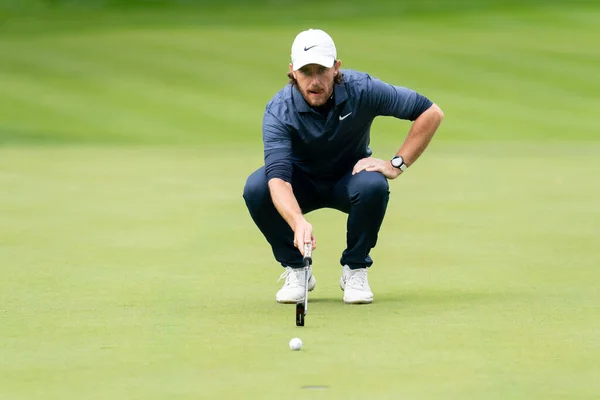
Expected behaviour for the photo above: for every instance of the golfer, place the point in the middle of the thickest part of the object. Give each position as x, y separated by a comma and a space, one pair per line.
316, 134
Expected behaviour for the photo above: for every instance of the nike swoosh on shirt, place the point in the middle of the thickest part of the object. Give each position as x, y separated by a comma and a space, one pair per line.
344, 117
308, 48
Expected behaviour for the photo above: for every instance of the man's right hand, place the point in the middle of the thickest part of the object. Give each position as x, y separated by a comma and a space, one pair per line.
303, 233
286, 204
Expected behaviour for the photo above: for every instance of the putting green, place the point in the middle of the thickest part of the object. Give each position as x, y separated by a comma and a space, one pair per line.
132, 269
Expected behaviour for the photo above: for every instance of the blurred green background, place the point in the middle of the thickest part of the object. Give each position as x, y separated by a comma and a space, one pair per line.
133, 271
184, 73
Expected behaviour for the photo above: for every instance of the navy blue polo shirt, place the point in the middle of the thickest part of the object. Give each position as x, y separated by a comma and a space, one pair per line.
295, 135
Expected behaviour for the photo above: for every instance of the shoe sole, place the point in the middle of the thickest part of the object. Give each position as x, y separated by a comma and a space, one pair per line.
358, 301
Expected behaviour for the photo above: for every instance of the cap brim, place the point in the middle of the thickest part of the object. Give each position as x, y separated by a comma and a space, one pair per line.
313, 59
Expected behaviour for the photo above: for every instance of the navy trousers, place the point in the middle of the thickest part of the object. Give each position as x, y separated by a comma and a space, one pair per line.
364, 197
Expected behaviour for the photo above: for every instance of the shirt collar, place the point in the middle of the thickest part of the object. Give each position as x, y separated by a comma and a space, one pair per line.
341, 95
301, 105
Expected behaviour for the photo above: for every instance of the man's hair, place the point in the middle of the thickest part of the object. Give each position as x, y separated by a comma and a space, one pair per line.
339, 78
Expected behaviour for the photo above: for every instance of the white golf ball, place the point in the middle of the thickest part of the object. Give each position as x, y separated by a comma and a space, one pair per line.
295, 344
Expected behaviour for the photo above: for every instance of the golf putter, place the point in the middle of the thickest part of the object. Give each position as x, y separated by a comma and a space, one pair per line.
302, 306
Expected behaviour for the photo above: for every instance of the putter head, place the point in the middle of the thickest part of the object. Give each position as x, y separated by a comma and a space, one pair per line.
300, 312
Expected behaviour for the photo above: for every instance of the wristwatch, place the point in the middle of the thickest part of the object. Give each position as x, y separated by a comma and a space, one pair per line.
398, 162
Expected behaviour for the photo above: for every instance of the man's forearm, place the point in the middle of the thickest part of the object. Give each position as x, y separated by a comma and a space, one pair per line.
285, 202
420, 134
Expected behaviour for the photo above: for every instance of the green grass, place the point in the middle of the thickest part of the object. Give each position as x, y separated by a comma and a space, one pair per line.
133, 270
137, 273
498, 75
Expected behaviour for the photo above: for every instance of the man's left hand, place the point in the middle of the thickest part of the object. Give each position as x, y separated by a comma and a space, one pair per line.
375, 164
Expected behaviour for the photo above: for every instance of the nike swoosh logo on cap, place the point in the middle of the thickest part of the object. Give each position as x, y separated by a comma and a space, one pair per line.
345, 116
308, 48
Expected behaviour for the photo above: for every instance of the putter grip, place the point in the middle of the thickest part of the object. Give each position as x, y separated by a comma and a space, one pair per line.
307, 254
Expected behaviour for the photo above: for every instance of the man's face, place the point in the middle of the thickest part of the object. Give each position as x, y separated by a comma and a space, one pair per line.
315, 82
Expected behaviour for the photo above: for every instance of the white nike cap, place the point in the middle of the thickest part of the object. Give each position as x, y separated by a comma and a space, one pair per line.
313, 46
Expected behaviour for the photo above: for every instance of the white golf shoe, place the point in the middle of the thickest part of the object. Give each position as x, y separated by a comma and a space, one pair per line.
293, 288
355, 285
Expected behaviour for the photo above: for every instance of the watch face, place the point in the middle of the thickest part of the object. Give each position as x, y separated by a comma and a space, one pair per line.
397, 161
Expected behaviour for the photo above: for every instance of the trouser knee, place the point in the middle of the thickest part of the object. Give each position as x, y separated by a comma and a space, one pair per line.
256, 190
369, 186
